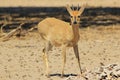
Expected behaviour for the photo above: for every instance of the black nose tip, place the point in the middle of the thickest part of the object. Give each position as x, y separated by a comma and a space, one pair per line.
74, 22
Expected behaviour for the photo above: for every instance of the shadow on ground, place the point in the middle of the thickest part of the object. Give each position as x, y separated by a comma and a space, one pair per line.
65, 75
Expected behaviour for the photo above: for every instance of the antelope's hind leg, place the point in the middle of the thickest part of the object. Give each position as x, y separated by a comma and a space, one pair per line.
48, 47
64, 58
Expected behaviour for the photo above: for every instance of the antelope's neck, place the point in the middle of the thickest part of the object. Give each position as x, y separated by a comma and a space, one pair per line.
75, 28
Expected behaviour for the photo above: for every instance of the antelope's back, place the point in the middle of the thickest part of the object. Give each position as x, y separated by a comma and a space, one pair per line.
54, 29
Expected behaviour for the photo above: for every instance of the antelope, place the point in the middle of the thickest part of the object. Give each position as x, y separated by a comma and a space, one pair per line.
58, 33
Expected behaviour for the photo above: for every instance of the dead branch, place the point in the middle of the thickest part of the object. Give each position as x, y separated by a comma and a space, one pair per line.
5, 23
10, 34
15, 32
1, 30
31, 29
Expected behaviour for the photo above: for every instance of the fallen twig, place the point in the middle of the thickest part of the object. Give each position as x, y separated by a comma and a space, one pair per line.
10, 34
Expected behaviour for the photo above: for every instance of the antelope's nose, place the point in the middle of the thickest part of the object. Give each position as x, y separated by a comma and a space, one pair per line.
74, 22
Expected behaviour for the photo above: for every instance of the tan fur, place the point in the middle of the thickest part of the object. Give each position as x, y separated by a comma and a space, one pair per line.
59, 33
56, 31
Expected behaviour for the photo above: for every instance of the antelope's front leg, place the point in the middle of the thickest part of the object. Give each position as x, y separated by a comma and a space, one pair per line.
77, 56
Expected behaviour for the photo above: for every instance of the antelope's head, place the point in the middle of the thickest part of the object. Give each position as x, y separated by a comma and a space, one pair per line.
75, 13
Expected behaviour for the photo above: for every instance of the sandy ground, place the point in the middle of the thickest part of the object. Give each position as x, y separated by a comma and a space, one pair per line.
21, 59
39, 3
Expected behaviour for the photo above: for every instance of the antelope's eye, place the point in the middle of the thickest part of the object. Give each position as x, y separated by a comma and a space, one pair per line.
71, 16
78, 16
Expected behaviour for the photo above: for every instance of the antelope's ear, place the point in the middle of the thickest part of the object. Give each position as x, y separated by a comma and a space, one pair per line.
82, 9
69, 9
